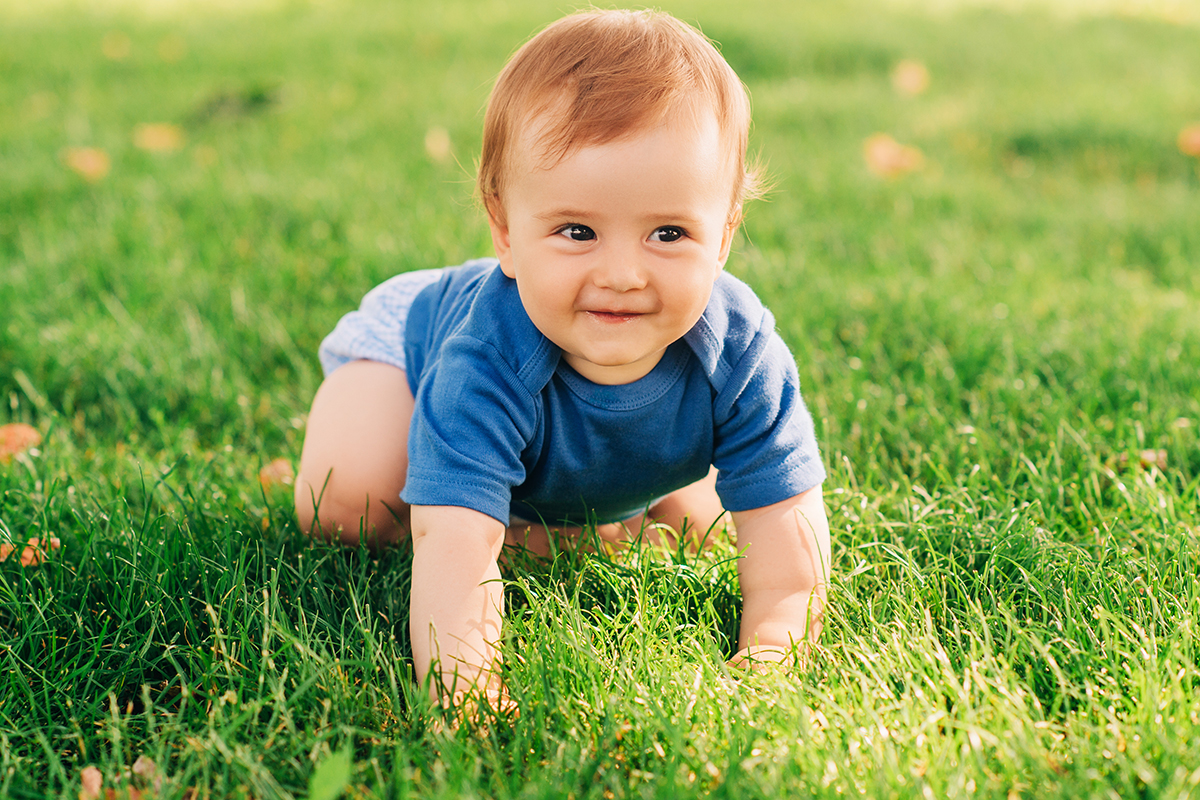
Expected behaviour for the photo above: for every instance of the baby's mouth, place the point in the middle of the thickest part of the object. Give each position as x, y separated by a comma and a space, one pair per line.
614, 316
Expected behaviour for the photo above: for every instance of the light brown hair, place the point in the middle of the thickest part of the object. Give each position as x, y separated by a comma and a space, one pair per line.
596, 76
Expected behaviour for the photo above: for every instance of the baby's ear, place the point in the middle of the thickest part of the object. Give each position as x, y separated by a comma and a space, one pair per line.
736, 215
495, 209
500, 240
731, 227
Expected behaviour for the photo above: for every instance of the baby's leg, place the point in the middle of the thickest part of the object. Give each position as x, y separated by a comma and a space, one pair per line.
355, 456
690, 512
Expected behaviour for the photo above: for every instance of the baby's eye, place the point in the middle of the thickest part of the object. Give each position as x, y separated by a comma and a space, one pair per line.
578, 233
668, 233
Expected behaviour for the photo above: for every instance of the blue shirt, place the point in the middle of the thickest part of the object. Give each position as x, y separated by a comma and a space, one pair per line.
504, 426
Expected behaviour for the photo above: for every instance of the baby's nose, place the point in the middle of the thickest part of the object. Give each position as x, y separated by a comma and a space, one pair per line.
622, 275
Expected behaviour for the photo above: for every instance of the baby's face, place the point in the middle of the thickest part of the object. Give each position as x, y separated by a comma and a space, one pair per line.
616, 247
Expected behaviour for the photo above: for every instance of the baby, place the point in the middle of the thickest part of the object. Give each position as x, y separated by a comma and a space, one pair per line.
601, 370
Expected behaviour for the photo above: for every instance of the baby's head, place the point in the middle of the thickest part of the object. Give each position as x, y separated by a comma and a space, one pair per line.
599, 76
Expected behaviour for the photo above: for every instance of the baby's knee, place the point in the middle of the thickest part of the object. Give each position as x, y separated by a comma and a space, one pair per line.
350, 517
693, 511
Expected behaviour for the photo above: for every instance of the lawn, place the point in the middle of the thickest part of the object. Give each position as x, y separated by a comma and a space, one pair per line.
997, 331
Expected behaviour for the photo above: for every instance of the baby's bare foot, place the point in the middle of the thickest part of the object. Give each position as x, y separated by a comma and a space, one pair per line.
33, 553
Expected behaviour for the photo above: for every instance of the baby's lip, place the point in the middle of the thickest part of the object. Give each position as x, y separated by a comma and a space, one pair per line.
615, 313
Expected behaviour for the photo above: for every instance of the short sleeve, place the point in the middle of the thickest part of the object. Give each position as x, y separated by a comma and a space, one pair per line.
472, 421
765, 445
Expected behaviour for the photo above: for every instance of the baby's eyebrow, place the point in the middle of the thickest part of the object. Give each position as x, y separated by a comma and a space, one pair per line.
683, 220
562, 213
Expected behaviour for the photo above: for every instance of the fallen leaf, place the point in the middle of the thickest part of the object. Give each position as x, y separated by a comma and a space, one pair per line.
1153, 458
888, 158
129, 793
16, 438
437, 144
90, 163
92, 780
1145, 459
276, 473
910, 77
145, 768
1189, 140
158, 137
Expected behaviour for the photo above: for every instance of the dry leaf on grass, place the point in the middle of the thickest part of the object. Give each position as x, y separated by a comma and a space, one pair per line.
92, 782
1148, 459
1153, 458
90, 163
144, 773
910, 77
1189, 140
158, 137
1145, 459
147, 772
278, 472
127, 793
888, 158
16, 438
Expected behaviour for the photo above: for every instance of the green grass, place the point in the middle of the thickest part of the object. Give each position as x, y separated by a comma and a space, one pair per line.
988, 346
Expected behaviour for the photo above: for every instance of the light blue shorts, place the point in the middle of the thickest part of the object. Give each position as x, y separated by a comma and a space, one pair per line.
376, 330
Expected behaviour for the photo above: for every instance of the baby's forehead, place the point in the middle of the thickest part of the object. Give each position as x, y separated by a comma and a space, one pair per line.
550, 132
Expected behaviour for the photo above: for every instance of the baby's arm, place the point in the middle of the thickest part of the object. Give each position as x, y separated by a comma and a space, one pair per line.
457, 601
784, 575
